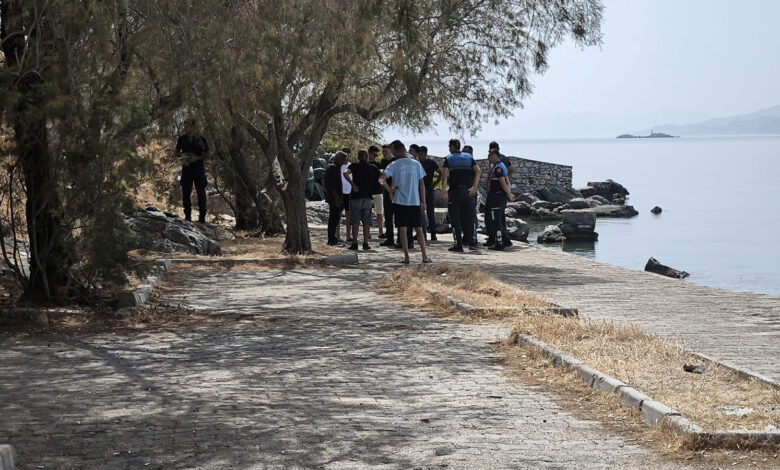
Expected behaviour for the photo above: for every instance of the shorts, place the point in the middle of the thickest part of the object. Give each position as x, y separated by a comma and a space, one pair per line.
379, 204
360, 211
407, 216
345, 203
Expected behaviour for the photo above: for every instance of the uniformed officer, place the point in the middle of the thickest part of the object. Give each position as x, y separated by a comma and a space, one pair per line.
461, 175
498, 194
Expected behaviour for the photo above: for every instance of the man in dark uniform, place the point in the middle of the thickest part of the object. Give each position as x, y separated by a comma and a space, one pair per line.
193, 150
432, 177
461, 174
387, 159
468, 149
497, 195
510, 171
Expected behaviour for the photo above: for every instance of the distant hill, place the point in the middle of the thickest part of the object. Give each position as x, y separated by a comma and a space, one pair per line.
764, 122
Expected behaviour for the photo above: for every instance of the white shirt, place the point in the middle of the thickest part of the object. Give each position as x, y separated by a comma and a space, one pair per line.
346, 188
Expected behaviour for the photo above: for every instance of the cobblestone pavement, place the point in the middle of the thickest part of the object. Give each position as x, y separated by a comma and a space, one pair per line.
742, 328
319, 373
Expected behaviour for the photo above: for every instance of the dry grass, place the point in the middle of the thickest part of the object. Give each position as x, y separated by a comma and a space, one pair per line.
472, 286
646, 362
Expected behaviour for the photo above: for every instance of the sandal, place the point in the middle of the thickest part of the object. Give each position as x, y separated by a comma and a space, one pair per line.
403, 261
427, 260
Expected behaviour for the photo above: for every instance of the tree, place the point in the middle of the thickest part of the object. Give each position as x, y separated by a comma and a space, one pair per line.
298, 65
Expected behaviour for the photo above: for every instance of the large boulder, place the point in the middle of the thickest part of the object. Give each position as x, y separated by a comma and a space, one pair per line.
597, 200
579, 203
551, 234
520, 207
544, 205
442, 221
517, 229
317, 212
615, 211
561, 195
603, 188
544, 214
438, 198
158, 232
579, 225
654, 266
528, 198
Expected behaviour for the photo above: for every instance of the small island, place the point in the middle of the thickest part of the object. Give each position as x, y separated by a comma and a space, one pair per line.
653, 135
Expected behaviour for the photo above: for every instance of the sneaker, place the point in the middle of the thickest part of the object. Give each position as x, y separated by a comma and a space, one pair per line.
353, 246
496, 248
397, 246
473, 247
507, 244
366, 247
433, 238
458, 249
489, 242
387, 242
382, 235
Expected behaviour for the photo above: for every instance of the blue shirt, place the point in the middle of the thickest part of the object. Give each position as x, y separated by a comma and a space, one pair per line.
460, 166
406, 174
499, 172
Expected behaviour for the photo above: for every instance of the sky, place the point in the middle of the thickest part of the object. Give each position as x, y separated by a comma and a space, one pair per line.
661, 62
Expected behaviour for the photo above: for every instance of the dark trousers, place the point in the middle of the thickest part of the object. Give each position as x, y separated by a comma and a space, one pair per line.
475, 221
495, 207
388, 205
430, 210
197, 176
334, 219
461, 210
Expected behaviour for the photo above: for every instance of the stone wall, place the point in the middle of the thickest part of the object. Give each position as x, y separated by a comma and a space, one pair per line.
531, 175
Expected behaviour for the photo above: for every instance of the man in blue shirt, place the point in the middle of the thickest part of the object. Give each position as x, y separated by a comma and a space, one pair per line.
461, 175
408, 196
468, 149
497, 195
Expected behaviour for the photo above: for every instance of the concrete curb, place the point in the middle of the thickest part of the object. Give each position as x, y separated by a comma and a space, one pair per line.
7, 457
468, 309
742, 372
651, 411
141, 294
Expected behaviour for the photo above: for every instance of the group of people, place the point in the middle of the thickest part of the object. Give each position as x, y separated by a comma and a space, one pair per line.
400, 190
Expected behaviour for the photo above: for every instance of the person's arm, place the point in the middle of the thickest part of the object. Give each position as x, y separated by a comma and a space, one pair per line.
506, 189
445, 172
475, 183
487, 176
348, 177
421, 187
436, 177
510, 170
383, 181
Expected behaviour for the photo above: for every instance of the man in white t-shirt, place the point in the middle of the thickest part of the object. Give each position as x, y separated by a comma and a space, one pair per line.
346, 188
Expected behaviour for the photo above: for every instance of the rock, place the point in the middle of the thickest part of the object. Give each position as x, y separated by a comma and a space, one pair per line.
551, 234
215, 232
520, 207
599, 200
544, 214
442, 221
527, 198
510, 213
579, 225
654, 266
157, 232
561, 195
544, 205
317, 212
517, 229
438, 197
603, 188
615, 211
579, 203
618, 199
656, 210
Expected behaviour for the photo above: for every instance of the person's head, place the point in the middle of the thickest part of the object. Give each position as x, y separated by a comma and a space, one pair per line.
414, 149
340, 158
373, 152
422, 154
493, 145
399, 149
387, 154
189, 126
494, 156
467, 149
362, 155
454, 146
347, 150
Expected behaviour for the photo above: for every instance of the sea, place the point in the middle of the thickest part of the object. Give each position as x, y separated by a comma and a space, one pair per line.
720, 198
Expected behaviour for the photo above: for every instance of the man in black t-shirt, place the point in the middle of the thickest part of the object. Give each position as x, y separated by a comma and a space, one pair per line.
362, 177
432, 177
376, 195
387, 158
192, 150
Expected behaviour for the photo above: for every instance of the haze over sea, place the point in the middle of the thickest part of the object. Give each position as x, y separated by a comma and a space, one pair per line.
720, 198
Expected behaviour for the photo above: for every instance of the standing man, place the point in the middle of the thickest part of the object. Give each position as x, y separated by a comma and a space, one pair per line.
497, 195
334, 196
192, 150
387, 159
510, 171
432, 178
469, 150
376, 194
460, 177
362, 177
408, 195
347, 190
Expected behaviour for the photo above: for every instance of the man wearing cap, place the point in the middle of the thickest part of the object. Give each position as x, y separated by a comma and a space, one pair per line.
192, 150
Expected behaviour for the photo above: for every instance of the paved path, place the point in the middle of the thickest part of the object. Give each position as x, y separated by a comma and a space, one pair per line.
320, 373
738, 327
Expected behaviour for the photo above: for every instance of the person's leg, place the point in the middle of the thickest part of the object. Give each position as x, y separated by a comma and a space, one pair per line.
421, 241
492, 225
504, 231
200, 188
334, 219
388, 219
475, 220
467, 215
424, 221
454, 207
405, 245
346, 217
430, 209
186, 182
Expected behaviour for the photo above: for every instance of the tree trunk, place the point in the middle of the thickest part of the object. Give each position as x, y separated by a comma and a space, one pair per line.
50, 254
298, 239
